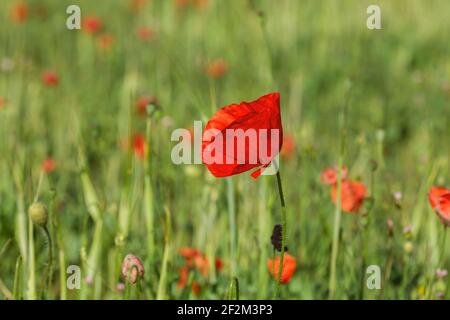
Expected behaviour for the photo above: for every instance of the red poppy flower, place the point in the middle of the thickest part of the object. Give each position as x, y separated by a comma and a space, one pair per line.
216, 68
330, 175
288, 148
132, 268
289, 265
143, 102
92, 24
183, 276
19, 12
352, 195
2, 102
145, 33
139, 146
196, 288
440, 202
256, 122
50, 78
48, 165
105, 41
137, 5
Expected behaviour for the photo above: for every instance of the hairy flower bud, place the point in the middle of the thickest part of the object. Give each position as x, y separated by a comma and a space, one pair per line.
38, 213
132, 268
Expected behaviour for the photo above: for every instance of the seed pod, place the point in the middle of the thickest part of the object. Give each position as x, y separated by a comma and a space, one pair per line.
277, 237
38, 214
132, 268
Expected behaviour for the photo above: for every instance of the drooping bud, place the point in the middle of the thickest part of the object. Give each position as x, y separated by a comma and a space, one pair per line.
277, 237
38, 213
132, 268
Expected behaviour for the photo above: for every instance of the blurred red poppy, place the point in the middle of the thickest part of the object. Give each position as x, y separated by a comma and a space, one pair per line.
92, 24
139, 146
105, 41
183, 276
19, 12
352, 195
288, 149
289, 266
216, 68
137, 5
48, 165
50, 78
145, 33
440, 202
196, 288
2, 102
330, 175
261, 116
143, 102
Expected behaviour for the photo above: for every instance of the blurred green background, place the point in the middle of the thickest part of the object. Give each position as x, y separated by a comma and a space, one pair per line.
195, 56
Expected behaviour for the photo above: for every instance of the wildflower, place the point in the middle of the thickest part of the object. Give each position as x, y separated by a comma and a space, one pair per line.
120, 286
2, 102
19, 12
441, 273
137, 5
288, 149
132, 268
50, 78
196, 288
440, 202
353, 194
330, 175
139, 146
183, 275
48, 165
105, 41
288, 269
145, 33
143, 102
261, 116
390, 227
216, 68
92, 24
38, 214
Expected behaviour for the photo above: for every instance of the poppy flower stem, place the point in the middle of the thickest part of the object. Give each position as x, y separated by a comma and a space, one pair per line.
440, 262
283, 234
232, 222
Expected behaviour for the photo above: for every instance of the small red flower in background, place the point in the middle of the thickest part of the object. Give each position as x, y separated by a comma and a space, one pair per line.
50, 78
145, 33
288, 149
139, 146
143, 102
137, 5
105, 41
353, 194
261, 115
440, 202
330, 175
2, 102
48, 165
194, 260
289, 265
216, 68
19, 12
196, 288
92, 24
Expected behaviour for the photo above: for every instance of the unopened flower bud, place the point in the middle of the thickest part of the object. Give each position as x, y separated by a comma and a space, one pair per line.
38, 214
408, 247
132, 268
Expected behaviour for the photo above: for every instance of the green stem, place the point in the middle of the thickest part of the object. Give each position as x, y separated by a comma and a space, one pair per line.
232, 223
47, 274
283, 235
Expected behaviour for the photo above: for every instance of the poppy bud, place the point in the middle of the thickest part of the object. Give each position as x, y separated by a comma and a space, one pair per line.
132, 268
408, 247
277, 237
38, 214
390, 227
